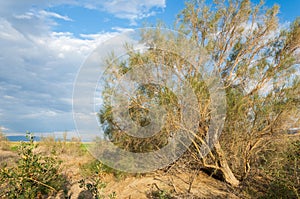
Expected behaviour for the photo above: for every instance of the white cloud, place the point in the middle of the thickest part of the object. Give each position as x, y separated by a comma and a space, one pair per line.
42, 113
3, 129
37, 75
38, 66
27, 15
54, 15
99, 37
120, 29
133, 9
8, 32
124, 9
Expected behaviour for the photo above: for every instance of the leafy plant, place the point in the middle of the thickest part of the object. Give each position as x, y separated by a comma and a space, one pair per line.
156, 193
96, 185
34, 175
161, 194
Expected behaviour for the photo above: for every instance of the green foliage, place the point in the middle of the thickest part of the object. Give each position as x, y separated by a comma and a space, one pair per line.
14, 148
33, 175
280, 189
286, 176
160, 194
138, 111
278, 174
96, 166
95, 187
256, 63
95, 184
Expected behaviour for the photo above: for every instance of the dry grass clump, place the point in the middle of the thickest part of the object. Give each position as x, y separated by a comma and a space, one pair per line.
4, 144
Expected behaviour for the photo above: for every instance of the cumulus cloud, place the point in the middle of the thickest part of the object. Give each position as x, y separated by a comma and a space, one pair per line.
37, 75
38, 65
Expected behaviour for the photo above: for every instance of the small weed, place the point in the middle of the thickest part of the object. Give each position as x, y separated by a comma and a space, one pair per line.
96, 185
14, 148
157, 193
160, 194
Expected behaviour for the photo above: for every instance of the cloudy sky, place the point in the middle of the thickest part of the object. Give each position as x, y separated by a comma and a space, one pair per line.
44, 43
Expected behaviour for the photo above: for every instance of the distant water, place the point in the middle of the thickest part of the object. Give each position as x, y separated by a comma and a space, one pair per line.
17, 138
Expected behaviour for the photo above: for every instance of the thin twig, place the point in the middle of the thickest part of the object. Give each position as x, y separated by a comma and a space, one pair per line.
41, 183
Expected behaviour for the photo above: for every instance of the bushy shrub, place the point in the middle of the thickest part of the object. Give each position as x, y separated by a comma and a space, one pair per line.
34, 175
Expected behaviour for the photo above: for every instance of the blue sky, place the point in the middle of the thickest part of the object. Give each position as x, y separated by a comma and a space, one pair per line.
43, 45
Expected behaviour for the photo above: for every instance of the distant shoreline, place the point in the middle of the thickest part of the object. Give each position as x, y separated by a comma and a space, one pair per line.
22, 138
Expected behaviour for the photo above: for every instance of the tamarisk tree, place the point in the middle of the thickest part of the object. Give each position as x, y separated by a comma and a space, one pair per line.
257, 60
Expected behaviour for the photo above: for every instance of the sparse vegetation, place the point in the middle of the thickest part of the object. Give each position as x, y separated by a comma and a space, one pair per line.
64, 146
96, 185
159, 194
34, 175
95, 166
285, 172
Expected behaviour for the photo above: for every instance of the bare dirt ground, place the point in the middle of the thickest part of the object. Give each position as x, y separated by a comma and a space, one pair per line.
176, 182
7, 157
179, 185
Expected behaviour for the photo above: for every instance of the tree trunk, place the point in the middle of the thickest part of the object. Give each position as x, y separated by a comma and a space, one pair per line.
224, 167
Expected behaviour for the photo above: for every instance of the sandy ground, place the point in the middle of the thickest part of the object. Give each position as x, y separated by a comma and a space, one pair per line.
7, 157
175, 182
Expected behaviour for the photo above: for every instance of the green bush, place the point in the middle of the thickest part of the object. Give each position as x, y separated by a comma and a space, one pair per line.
34, 175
